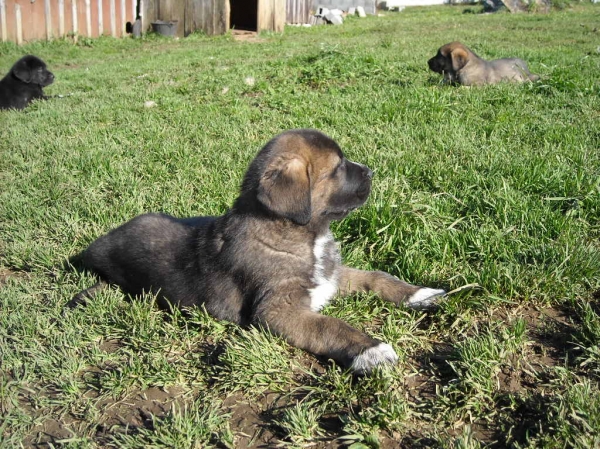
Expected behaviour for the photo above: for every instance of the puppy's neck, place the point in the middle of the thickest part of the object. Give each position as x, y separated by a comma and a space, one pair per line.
318, 228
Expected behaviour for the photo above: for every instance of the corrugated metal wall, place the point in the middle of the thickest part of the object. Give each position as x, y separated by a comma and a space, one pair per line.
26, 20
369, 5
298, 11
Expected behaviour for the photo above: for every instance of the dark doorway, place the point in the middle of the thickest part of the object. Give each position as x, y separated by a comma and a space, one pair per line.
244, 14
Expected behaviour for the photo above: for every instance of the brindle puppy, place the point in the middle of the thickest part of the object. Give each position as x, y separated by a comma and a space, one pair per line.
24, 83
270, 260
460, 65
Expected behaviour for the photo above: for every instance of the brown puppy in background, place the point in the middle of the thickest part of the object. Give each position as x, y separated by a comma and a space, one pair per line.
24, 83
270, 260
460, 65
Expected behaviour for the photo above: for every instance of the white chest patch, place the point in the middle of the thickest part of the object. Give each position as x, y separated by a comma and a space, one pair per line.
325, 274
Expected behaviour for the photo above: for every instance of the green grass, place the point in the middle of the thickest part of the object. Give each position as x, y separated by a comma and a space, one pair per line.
495, 188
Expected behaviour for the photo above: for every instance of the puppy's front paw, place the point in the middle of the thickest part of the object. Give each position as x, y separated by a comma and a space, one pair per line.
372, 357
425, 298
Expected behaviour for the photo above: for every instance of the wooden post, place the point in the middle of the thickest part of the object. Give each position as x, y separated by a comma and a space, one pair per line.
123, 19
75, 19
100, 19
48, 14
61, 18
279, 11
146, 19
88, 18
19, 24
113, 19
3, 17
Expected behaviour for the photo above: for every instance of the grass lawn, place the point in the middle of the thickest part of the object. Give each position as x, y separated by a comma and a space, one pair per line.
493, 192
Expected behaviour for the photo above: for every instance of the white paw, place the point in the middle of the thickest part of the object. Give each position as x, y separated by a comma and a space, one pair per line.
377, 355
425, 298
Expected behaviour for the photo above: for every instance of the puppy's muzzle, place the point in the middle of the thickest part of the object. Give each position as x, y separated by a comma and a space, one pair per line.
366, 175
434, 65
49, 79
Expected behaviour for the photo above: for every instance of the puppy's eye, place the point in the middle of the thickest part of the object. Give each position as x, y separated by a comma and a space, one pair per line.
339, 168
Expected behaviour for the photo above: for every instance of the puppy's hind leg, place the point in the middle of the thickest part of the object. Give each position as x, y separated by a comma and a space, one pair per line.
89, 293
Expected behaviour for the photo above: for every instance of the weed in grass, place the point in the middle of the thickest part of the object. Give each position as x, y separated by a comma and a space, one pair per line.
576, 416
333, 388
254, 361
564, 415
477, 363
588, 336
300, 423
388, 410
333, 67
199, 424
466, 440
363, 406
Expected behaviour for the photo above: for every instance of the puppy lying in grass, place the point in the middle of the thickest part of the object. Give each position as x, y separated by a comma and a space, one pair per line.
24, 83
460, 65
270, 260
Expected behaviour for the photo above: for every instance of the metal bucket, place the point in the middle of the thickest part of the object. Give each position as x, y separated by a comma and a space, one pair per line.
165, 28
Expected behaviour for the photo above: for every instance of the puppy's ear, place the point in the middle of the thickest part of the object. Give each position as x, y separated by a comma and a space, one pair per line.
459, 58
285, 190
22, 71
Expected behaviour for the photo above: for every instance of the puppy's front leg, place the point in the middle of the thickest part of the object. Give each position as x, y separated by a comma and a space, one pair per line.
388, 287
329, 337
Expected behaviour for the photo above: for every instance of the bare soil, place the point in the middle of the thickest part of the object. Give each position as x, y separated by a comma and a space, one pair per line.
246, 36
6, 274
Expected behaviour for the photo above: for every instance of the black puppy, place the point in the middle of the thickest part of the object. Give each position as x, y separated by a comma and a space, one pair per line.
24, 83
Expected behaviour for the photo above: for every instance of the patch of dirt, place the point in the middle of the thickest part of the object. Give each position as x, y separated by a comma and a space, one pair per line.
430, 368
110, 346
515, 379
145, 404
413, 440
6, 274
550, 332
312, 363
49, 431
246, 36
137, 410
248, 422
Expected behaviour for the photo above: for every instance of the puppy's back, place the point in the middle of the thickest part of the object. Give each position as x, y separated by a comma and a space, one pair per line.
142, 252
511, 69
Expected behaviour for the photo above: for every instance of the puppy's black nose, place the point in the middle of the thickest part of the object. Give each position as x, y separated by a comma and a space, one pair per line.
367, 173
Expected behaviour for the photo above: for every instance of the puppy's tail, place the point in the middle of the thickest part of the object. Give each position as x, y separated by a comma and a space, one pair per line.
89, 293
